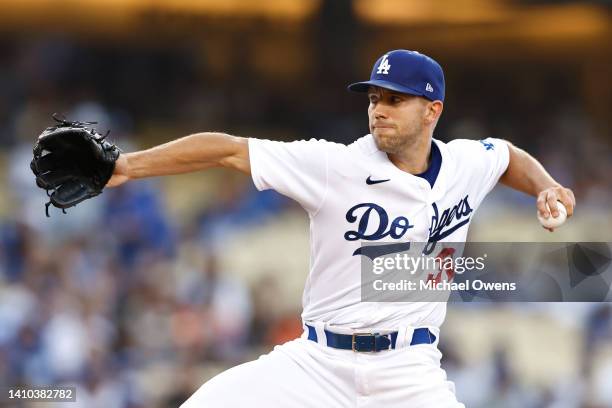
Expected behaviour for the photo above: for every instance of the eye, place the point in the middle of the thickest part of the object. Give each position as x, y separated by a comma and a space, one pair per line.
396, 99
373, 98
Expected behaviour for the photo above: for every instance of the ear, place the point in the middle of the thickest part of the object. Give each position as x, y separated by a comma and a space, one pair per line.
433, 110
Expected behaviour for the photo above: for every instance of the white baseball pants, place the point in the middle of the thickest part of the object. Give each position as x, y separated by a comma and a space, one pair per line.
302, 373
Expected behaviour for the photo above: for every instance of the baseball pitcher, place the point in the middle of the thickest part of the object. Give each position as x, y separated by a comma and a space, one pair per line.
396, 184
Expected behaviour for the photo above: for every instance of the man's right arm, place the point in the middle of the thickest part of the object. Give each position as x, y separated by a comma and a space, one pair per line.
185, 155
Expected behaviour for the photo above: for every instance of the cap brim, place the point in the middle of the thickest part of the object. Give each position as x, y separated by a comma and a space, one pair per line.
364, 86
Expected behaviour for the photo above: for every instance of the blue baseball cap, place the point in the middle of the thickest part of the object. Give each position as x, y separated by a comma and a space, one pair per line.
407, 72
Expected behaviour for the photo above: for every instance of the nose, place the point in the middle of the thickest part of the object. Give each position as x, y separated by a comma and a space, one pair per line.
378, 111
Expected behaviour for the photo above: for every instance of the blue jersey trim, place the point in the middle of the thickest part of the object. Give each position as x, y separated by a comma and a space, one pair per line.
431, 174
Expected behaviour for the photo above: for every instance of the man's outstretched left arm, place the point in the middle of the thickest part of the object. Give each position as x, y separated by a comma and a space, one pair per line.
526, 174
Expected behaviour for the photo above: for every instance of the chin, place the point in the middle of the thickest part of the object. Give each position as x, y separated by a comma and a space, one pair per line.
386, 142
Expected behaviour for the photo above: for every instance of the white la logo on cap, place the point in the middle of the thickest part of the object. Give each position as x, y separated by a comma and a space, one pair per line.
429, 88
384, 66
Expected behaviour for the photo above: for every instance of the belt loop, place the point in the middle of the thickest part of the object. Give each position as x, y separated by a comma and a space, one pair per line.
306, 331
320, 329
436, 332
404, 337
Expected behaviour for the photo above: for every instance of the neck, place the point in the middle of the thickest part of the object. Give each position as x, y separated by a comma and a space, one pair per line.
413, 159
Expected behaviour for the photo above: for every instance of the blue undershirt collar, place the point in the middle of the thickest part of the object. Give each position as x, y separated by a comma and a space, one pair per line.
431, 174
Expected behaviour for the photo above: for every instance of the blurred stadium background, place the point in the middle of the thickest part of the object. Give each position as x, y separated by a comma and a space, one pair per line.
128, 295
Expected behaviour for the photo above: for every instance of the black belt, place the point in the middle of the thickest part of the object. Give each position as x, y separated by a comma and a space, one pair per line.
365, 342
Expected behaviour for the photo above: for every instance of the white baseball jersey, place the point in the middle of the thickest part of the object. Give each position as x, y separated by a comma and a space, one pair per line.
354, 194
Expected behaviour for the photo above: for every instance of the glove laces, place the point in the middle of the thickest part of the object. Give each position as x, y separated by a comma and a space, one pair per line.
63, 122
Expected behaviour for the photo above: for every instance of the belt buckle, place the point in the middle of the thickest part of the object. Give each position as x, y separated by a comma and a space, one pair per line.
363, 334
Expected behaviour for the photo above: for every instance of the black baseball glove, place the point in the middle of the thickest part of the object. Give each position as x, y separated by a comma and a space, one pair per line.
72, 162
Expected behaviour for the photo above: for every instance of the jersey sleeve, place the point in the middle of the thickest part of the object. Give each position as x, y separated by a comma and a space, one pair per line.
298, 170
486, 159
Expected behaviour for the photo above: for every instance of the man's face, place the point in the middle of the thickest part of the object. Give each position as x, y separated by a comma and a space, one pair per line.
396, 119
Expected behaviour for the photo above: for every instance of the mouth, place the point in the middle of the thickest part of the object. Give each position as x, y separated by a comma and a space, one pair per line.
382, 130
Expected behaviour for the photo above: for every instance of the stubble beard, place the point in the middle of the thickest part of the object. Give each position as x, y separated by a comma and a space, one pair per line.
398, 143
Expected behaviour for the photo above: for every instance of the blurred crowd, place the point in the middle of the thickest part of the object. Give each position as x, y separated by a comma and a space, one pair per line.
134, 306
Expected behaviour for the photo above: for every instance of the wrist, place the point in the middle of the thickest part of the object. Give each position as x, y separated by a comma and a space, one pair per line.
122, 166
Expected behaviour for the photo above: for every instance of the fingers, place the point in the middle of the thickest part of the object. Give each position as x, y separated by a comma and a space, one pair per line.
547, 202
571, 194
541, 204
551, 200
567, 200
